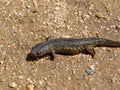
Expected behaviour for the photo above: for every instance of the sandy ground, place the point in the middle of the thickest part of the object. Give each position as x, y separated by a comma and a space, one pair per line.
24, 23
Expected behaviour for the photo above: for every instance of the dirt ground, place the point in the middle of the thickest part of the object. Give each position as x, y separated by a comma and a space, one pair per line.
24, 23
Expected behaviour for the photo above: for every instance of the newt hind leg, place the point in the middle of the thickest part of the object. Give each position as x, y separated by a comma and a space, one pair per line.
89, 50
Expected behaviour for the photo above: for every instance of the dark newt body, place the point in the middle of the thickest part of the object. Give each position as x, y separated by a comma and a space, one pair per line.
69, 46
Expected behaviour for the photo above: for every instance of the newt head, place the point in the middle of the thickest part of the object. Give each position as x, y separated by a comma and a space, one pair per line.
38, 51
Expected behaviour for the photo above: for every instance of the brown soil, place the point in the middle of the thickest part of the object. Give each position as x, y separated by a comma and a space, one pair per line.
24, 23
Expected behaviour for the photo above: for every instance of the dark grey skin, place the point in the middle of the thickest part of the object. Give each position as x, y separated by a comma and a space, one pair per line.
69, 46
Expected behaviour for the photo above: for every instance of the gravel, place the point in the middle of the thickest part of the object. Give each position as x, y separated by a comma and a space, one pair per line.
30, 87
13, 85
90, 71
1, 62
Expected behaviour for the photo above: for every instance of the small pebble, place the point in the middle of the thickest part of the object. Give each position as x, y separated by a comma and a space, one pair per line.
65, 36
69, 78
30, 87
21, 77
1, 62
99, 15
3, 53
14, 31
118, 18
1, 46
48, 88
49, 83
90, 71
13, 85
92, 67
117, 27
2, 80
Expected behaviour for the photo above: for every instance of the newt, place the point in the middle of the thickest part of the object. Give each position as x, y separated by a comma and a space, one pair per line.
69, 46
